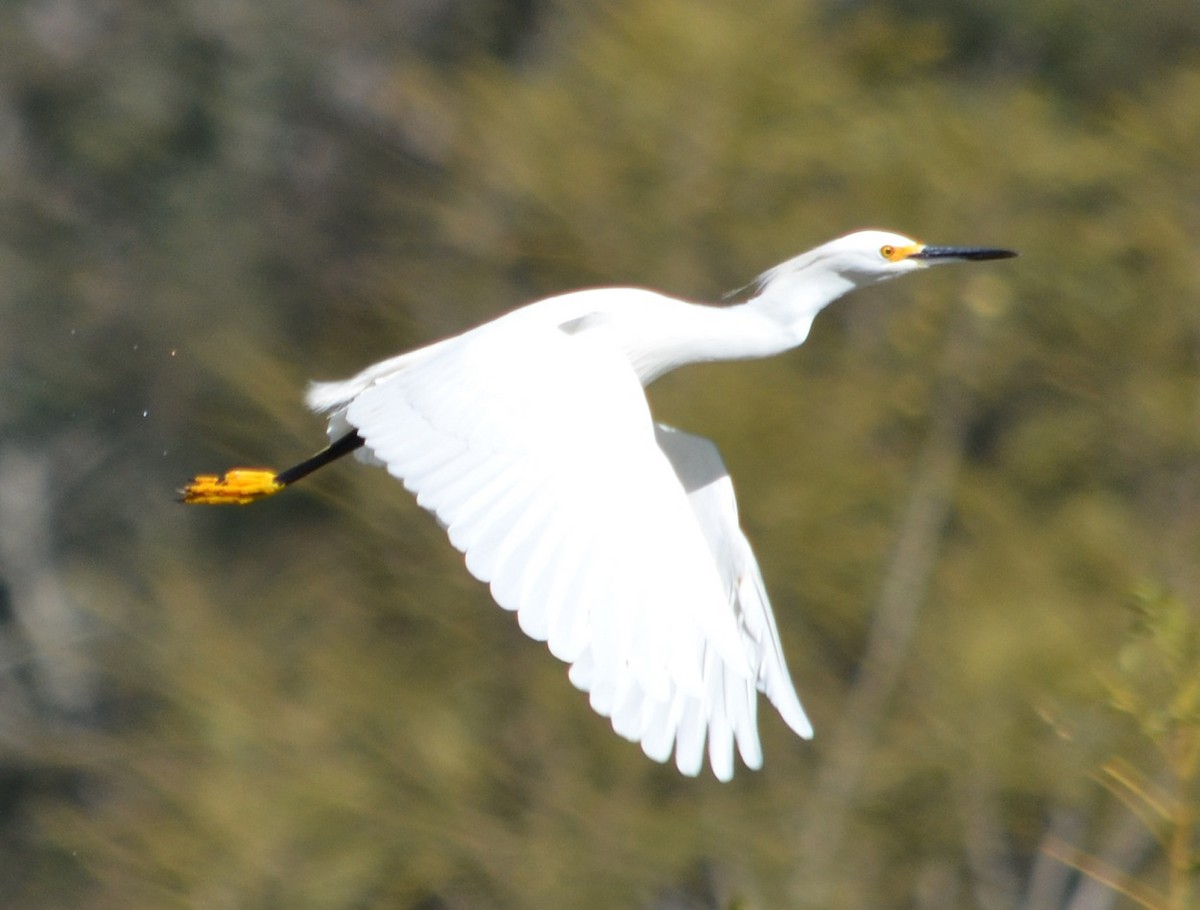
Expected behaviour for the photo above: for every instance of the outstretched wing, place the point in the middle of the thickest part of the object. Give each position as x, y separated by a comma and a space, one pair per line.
534, 447
706, 480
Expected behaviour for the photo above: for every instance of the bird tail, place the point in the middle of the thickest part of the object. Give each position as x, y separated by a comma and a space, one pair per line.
323, 397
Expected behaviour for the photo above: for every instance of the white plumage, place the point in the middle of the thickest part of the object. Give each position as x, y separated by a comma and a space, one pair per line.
614, 539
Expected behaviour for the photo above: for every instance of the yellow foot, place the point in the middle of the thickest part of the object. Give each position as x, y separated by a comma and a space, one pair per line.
239, 486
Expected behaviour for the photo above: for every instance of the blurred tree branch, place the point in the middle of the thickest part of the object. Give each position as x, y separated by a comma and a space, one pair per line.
897, 613
45, 635
1156, 684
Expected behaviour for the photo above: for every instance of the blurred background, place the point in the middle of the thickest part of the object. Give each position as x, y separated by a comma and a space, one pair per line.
975, 494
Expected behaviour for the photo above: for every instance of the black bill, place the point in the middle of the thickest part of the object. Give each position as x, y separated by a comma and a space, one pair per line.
972, 253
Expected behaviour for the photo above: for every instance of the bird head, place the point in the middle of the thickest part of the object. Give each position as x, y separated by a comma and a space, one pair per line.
813, 279
793, 292
865, 257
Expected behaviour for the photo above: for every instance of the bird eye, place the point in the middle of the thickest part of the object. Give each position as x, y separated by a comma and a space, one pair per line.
887, 252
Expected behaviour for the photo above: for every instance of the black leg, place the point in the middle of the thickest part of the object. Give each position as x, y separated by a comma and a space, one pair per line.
343, 446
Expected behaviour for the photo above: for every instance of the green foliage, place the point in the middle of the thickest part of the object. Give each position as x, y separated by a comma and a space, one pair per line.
308, 703
1156, 684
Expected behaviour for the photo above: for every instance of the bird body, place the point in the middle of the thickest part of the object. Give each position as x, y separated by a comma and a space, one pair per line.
615, 539
656, 334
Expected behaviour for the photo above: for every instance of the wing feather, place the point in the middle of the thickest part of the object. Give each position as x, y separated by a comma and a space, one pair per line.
706, 480
689, 738
535, 449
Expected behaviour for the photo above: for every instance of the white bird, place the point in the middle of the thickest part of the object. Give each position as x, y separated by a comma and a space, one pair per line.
613, 538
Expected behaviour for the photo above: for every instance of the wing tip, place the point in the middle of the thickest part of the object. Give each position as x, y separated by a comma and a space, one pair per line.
794, 716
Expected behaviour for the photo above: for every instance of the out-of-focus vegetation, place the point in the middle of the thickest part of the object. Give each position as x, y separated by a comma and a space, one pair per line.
1156, 683
953, 486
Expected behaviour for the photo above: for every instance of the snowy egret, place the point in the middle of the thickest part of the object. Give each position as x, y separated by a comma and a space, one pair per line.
615, 539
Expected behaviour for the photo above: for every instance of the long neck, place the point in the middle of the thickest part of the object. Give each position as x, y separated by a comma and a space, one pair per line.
775, 320
791, 296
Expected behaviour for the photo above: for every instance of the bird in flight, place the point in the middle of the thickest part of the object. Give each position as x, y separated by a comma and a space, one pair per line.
615, 539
